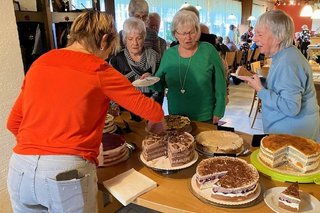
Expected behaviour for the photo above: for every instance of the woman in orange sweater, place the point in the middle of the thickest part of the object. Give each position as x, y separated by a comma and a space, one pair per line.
59, 116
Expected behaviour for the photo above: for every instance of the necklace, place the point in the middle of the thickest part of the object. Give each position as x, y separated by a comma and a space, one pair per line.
183, 82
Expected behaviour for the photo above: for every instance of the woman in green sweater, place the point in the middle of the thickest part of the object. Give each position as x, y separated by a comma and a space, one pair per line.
193, 73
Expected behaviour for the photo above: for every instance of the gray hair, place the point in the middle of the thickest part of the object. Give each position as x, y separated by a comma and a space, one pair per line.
192, 9
138, 6
131, 25
280, 25
185, 17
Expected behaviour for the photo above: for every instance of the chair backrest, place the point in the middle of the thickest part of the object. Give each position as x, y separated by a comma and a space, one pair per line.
239, 54
256, 55
268, 61
230, 57
255, 66
263, 71
249, 56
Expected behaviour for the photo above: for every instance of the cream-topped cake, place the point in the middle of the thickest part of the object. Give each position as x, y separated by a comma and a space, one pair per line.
289, 199
302, 153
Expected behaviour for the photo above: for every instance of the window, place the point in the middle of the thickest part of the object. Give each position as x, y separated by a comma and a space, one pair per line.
213, 13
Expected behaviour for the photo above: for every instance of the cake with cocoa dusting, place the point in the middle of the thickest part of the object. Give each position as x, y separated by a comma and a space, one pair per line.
231, 179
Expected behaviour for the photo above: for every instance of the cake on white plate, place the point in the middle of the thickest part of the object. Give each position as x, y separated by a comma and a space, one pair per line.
230, 178
177, 146
301, 153
289, 199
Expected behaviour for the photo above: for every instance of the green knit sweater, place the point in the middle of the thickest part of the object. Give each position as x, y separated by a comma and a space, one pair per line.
203, 84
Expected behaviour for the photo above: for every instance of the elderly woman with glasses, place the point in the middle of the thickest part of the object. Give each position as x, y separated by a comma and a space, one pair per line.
193, 73
289, 104
135, 61
140, 9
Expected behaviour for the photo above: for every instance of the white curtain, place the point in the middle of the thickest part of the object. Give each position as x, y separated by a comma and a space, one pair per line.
213, 13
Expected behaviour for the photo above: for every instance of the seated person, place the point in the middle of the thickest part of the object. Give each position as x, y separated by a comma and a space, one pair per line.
232, 47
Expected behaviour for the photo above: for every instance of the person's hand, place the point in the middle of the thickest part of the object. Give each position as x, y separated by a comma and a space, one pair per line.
215, 119
156, 127
145, 75
253, 81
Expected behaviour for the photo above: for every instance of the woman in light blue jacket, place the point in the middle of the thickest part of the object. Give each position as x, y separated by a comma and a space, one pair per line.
289, 103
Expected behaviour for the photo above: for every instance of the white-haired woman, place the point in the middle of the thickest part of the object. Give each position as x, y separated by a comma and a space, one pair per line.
135, 61
289, 104
193, 73
140, 10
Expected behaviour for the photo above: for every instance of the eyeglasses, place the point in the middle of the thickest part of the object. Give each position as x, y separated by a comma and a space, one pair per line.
185, 34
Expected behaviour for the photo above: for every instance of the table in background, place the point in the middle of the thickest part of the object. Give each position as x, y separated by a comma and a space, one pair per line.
173, 192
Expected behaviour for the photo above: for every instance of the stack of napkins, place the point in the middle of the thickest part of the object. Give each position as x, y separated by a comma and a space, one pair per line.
129, 185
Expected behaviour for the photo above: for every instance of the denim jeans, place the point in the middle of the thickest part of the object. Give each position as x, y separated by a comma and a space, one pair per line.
33, 187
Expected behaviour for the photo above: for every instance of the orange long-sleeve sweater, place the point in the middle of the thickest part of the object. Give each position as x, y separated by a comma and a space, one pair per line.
63, 103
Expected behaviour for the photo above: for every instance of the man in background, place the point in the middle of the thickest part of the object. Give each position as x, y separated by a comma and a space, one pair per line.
154, 23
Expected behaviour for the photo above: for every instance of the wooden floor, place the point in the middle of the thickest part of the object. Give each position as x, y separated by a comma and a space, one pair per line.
237, 110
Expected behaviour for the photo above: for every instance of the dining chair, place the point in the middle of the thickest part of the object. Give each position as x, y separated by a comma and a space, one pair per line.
255, 67
249, 57
238, 58
255, 55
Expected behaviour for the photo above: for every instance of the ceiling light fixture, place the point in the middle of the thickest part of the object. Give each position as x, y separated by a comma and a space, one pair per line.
185, 4
306, 11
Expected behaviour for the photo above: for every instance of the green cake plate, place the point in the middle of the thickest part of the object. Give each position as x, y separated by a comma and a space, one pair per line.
278, 176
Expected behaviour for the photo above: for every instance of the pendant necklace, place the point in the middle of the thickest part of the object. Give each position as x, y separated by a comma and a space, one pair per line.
183, 82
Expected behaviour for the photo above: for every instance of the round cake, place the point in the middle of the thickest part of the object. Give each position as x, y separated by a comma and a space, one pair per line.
178, 122
109, 126
231, 179
113, 149
217, 141
302, 154
177, 146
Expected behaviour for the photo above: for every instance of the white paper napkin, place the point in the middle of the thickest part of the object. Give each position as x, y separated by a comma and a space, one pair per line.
129, 185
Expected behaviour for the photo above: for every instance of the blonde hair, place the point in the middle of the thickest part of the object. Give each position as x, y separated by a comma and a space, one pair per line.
280, 24
90, 27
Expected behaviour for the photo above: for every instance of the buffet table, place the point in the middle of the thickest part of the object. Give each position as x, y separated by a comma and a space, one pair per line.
173, 192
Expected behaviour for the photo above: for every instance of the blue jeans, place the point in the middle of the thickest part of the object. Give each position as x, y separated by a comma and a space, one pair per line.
33, 187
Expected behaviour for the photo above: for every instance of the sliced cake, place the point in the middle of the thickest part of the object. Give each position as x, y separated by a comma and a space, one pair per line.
177, 146
289, 199
231, 179
302, 153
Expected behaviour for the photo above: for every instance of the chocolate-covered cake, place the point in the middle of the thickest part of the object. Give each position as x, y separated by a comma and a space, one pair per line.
231, 179
113, 149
